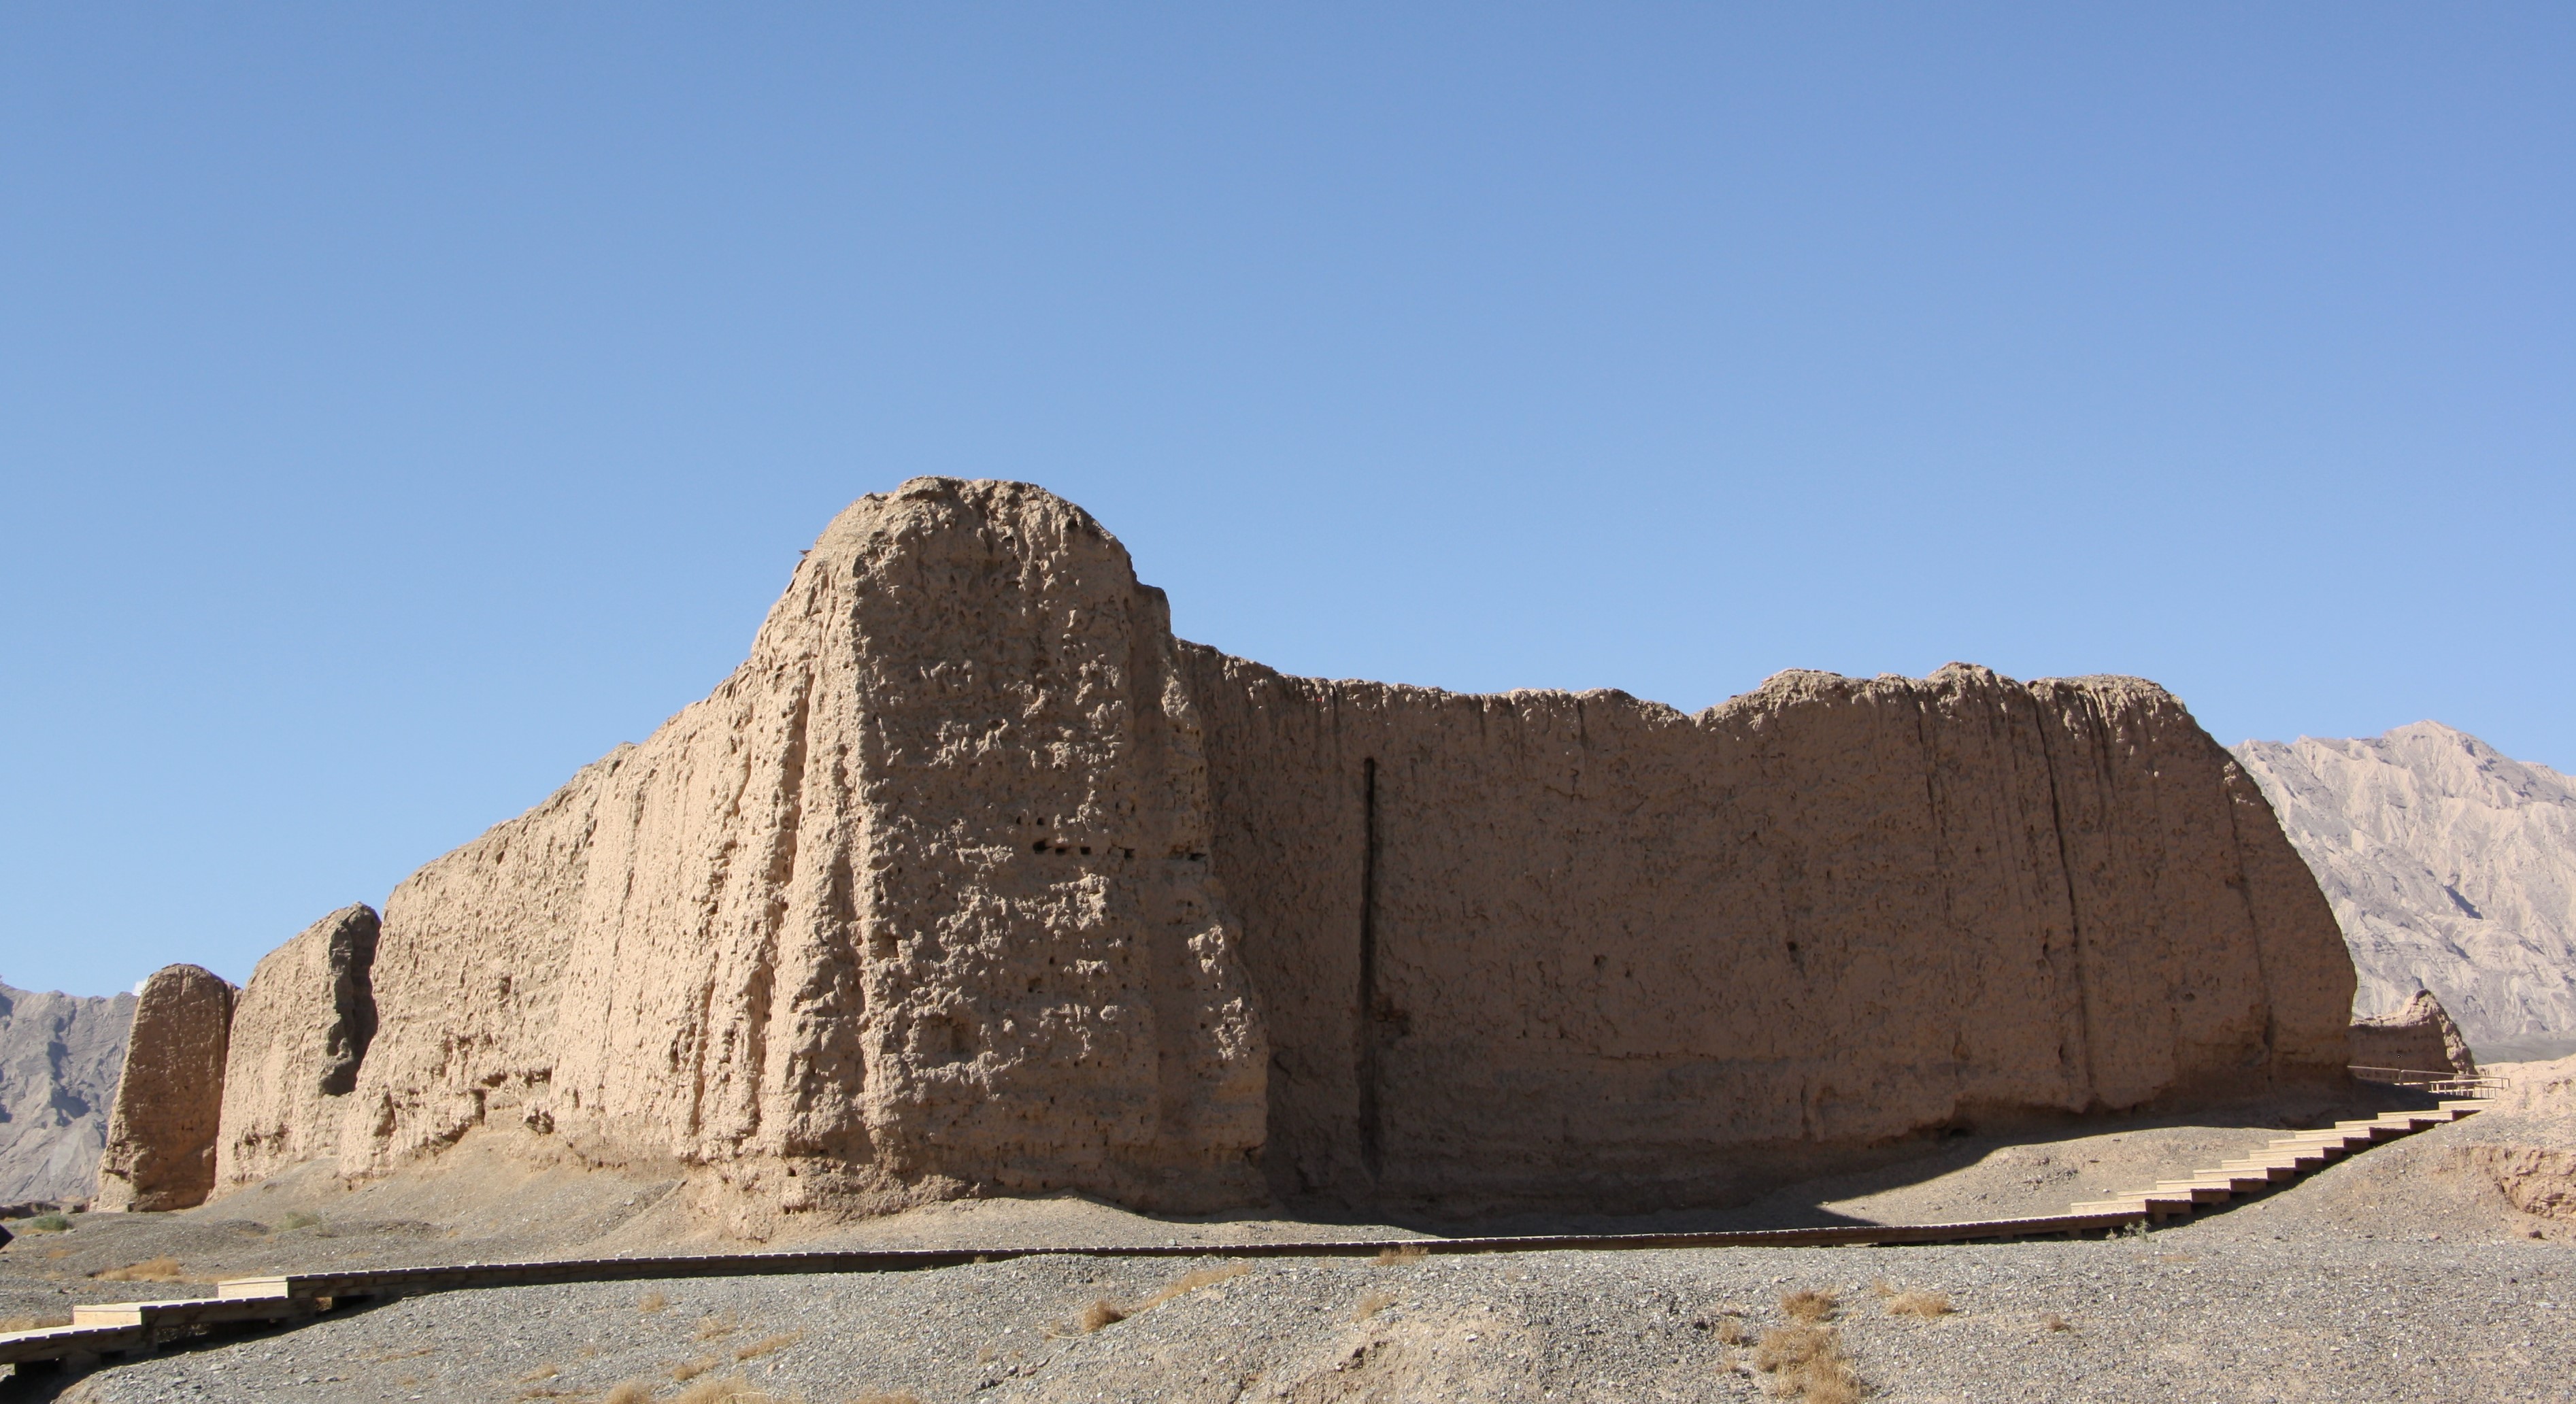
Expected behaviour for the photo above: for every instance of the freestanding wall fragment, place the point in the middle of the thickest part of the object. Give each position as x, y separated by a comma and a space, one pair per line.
2417, 1038
169, 1099
300, 1030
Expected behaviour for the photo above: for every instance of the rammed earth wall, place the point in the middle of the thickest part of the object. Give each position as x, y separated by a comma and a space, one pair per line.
1547, 949
973, 879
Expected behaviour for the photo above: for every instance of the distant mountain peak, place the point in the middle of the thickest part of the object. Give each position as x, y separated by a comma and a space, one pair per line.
2451, 866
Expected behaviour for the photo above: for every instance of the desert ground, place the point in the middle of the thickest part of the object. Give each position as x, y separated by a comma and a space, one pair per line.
2406, 1273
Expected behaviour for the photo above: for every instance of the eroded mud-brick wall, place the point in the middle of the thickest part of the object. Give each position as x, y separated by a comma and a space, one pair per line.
1545, 949
917, 903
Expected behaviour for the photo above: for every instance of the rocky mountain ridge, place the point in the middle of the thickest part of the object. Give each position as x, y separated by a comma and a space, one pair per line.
59, 1056
2451, 868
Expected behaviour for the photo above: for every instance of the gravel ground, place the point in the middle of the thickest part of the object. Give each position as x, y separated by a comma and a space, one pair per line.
2182, 1314
2399, 1275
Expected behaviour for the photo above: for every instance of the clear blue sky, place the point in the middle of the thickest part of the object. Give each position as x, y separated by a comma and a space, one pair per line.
401, 405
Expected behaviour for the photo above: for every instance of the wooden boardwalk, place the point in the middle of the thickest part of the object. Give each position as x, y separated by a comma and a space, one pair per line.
124, 1327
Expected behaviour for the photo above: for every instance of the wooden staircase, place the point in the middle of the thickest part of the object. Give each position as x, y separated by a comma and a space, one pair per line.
2277, 1164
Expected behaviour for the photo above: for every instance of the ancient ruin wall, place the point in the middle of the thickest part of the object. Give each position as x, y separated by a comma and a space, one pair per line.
1614, 956
299, 1034
169, 1099
918, 901
2419, 1037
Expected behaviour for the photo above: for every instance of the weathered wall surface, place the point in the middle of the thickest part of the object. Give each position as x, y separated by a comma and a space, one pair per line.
59, 1056
2417, 1038
300, 1030
918, 901
973, 879
1617, 956
169, 1096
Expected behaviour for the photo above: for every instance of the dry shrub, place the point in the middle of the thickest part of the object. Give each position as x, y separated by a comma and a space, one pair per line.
1371, 1305
710, 1327
1404, 1255
1191, 1282
1923, 1304
46, 1223
1100, 1313
766, 1344
628, 1392
688, 1370
46, 1322
289, 1223
732, 1389
2055, 1322
1810, 1307
1880, 1288
1810, 1360
1730, 1330
652, 1303
546, 1371
149, 1270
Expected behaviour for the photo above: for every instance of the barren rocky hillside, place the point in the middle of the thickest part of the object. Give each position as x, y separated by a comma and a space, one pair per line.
2452, 868
59, 1056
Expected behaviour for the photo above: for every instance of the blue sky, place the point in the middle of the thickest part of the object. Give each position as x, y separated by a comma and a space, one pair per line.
400, 406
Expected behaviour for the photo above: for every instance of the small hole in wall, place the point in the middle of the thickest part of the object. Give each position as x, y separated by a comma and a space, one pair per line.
1038, 847
1086, 851
1127, 852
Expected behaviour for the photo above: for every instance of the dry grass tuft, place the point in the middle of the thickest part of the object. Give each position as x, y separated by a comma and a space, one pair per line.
1371, 1305
46, 1322
652, 1303
732, 1389
710, 1327
688, 1370
1190, 1282
767, 1344
2055, 1322
1811, 1361
1100, 1313
1810, 1307
628, 1392
546, 1371
1730, 1330
149, 1270
1404, 1255
1923, 1304
289, 1223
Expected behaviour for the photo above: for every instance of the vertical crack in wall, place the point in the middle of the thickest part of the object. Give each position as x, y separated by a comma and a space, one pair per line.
1372, 1145
2074, 912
